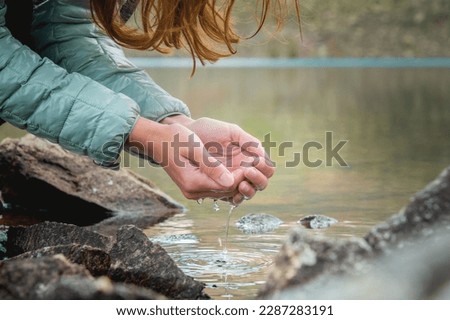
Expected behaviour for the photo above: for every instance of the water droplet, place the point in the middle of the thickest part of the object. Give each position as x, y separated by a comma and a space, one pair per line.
200, 201
216, 206
225, 249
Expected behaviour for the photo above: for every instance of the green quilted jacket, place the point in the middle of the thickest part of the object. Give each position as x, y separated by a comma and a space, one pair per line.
76, 88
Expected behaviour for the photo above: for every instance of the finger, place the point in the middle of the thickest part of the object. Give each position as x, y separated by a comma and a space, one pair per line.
251, 146
265, 165
247, 190
212, 190
215, 170
225, 196
256, 178
238, 199
209, 195
207, 164
248, 143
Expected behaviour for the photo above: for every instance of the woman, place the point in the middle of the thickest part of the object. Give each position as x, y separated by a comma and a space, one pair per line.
86, 96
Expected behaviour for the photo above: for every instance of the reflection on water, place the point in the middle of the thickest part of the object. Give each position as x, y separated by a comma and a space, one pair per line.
396, 122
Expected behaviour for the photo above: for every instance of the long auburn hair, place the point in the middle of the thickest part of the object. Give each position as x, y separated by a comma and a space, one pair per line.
203, 27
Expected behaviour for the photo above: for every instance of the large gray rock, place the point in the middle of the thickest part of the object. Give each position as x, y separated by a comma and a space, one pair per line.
304, 257
34, 172
135, 259
56, 278
408, 252
427, 210
415, 272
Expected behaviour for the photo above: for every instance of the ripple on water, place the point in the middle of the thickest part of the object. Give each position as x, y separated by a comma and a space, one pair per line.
214, 264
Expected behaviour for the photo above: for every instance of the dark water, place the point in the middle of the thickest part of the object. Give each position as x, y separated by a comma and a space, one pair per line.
396, 122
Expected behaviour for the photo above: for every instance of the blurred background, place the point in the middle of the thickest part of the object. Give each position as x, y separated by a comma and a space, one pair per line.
350, 28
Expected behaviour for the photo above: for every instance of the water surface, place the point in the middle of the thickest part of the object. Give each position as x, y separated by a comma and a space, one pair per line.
396, 121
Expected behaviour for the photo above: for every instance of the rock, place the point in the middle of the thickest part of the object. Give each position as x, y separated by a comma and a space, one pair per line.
95, 260
407, 257
131, 258
427, 210
415, 273
29, 279
304, 257
56, 278
258, 223
50, 234
135, 259
3, 239
317, 222
81, 288
34, 172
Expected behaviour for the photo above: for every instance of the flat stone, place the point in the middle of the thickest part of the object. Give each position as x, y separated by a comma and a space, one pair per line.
257, 223
317, 222
35, 172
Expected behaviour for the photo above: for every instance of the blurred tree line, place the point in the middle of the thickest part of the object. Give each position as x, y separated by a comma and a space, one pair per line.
354, 28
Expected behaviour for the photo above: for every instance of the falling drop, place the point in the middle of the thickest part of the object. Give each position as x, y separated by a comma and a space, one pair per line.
225, 249
200, 201
216, 206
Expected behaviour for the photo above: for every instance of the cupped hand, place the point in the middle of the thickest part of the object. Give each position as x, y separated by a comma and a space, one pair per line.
184, 157
239, 151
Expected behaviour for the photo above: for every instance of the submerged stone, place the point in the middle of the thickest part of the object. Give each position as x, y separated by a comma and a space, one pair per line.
317, 222
175, 239
255, 223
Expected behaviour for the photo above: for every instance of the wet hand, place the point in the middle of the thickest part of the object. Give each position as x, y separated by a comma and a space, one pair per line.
184, 157
239, 151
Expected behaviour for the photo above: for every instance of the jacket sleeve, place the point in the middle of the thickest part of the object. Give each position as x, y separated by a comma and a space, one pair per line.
69, 109
63, 30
